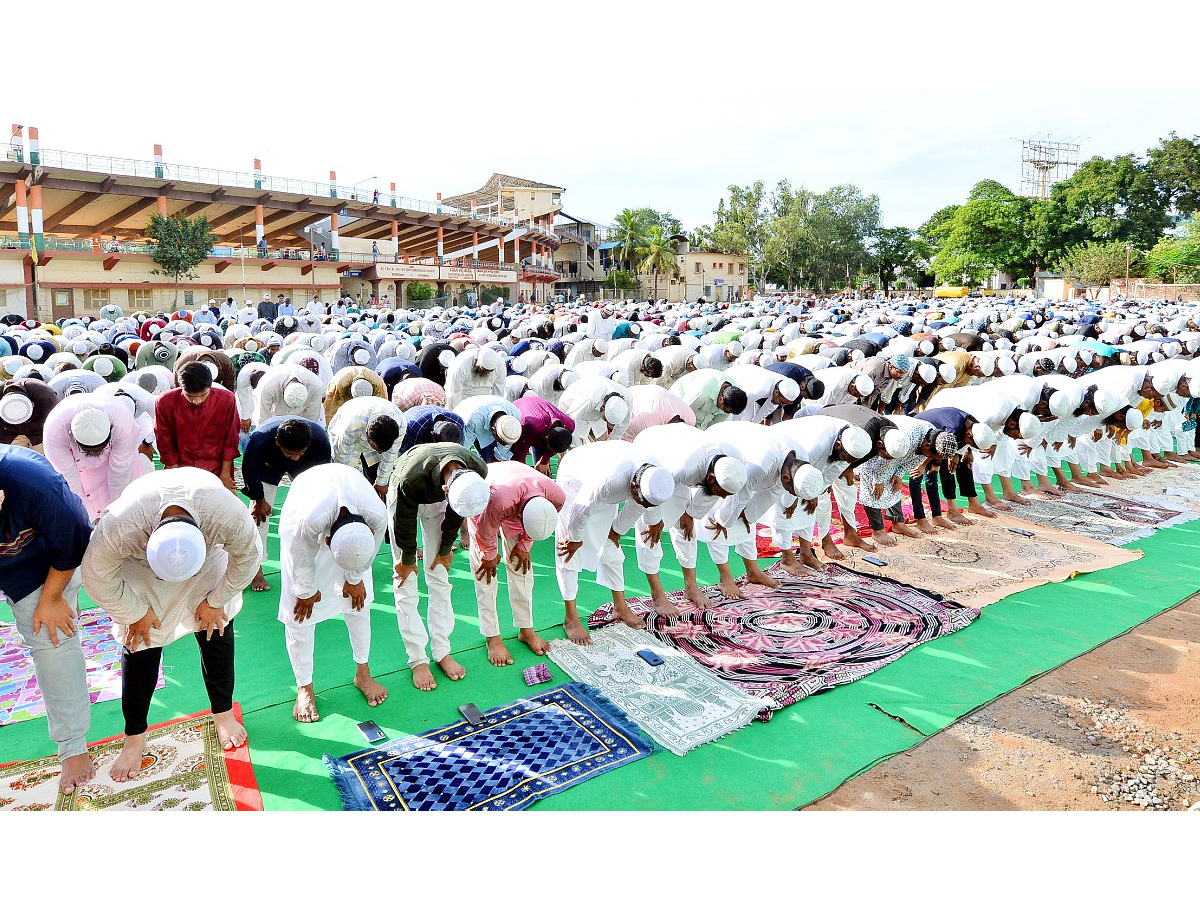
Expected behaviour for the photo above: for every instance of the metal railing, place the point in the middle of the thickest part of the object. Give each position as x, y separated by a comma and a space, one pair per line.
141, 168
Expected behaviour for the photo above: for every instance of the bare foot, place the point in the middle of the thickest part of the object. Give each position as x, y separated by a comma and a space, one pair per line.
696, 594
730, 590
305, 709
665, 607
950, 524
577, 632
1017, 499
757, 576
533, 641
423, 677
905, 529
1000, 505
851, 538
451, 668
628, 616
77, 771
830, 548
374, 692
1053, 490
808, 558
928, 527
884, 539
230, 731
498, 654
260, 582
129, 762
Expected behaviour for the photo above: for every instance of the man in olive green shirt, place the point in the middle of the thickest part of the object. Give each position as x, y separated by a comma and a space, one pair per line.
438, 484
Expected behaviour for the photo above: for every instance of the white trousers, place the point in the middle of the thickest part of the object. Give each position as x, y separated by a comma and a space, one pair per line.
520, 593
301, 639
650, 557
598, 554
437, 586
847, 497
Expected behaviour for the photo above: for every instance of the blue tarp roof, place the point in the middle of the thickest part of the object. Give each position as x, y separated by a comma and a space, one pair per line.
607, 245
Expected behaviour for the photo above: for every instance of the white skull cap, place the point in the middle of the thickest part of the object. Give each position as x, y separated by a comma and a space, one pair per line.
488, 359
926, 347
894, 443
1061, 404
856, 442
730, 474
90, 427
360, 355
987, 365
538, 518
983, 436
295, 395
807, 482
947, 372
353, 548
1134, 419
616, 411
1006, 365
788, 389
1028, 426
656, 485
863, 384
446, 357
16, 408
468, 494
360, 387
508, 429
176, 551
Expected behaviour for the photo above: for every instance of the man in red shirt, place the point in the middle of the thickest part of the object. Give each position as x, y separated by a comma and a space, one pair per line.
196, 424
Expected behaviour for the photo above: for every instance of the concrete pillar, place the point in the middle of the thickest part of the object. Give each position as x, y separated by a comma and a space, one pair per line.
333, 228
439, 208
258, 224
18, 141
474, 211
35, 147
475, 247
22, 211
257, 173
441, 235
332, 183
35, 214
162, 205
395, 241
158, 165
393, 186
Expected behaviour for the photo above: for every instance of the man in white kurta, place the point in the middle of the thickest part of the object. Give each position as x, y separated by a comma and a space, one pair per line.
331, 527
289, 390
156, 594
475, 371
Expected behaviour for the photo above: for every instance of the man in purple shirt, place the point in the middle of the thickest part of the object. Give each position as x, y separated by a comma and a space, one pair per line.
545, 430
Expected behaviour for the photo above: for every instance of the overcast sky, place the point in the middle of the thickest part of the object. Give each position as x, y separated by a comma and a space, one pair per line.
621, 103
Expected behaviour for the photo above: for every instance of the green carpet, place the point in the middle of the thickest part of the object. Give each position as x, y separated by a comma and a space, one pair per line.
807, 750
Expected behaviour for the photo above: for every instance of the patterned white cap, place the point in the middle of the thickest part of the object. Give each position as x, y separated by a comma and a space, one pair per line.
538, 518
360, 387
468, 494
353, 548
176, 551
90, 427
15, 408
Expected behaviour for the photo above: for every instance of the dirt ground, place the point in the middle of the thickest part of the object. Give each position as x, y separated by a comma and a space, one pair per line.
1117, 728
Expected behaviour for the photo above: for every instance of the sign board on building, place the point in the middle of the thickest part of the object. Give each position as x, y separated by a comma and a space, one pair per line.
404, 271
352, 273
718, 281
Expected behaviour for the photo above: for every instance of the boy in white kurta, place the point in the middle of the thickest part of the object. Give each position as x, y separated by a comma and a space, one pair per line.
330, 530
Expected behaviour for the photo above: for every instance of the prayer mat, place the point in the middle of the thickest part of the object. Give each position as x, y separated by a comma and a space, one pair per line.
521, 752
808, 635
1175, 489
183, 768
1128, 510
1097, 524
678, 703
20, 698
984, 562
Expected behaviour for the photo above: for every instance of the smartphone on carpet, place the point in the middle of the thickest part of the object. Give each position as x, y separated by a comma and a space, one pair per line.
1021, 531
372, 732
650, 657
875, 561
471, 713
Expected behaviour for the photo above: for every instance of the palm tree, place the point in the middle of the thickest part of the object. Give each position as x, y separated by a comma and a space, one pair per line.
629, 231
657, 254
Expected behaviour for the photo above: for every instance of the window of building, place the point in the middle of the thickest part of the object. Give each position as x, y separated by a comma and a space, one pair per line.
556, 199
94, 299
697, 268
140, 298
714, 265
720, 265
216, 298
741, 268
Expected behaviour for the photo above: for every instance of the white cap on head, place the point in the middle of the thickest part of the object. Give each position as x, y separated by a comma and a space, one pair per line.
730, 474
360, 387
507, 429
15, 408
856, 442
176, 551
1070, 363
948, 343
90, 427
656, 485
735, 348
353, 548
538, 518
987, 365
927, 372
982, 436
445, 358
947, 372
1006, 365
894, 443
1134, 418
788, 389
488, 359
1061, 404
295, 395
1028, 426
863, 384
807, 482
360, 355
616, 411
926, 347
1165, 384
102, 367
519, 366
468, 494
600, 347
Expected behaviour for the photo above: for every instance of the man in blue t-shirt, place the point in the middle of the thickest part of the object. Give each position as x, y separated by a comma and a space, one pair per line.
44, 532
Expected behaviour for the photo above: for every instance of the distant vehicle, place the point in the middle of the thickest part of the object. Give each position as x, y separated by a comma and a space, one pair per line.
951, 292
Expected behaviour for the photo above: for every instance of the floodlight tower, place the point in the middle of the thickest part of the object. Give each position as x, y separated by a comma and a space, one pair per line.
1044, 163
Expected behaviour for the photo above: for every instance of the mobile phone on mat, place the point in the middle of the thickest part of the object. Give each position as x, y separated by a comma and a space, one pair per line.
875, 561
471, 713
1021, 531
372, 732
650, 657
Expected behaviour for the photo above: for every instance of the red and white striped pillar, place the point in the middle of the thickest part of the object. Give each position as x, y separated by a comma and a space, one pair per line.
440, 246
475, 248
393, 187
333, 229
158, 164
22, 211
474, 211
257, 173
35, 215
332, 183
35, 147
259, 230
439, 205
17, 141
395, 235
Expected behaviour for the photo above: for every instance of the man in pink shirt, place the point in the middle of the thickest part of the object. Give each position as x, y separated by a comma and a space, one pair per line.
524, 505
93, 441
652, 405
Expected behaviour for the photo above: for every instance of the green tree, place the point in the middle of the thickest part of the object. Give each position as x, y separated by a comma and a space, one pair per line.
1109, 200
621, 279
657, 254
1175, 167
664, 220
840, 224
1093, 262
743, 226
1177, 257
419, 292
994, 230
894, 251
178, 245
629, 231
701, 238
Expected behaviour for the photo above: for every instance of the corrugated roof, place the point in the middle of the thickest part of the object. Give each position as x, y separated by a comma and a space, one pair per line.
487, 193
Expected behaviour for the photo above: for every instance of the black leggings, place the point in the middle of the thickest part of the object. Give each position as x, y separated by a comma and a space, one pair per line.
947, 478
139, 675
895, 512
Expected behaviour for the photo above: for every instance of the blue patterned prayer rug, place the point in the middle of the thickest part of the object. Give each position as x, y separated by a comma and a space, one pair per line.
524, 751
